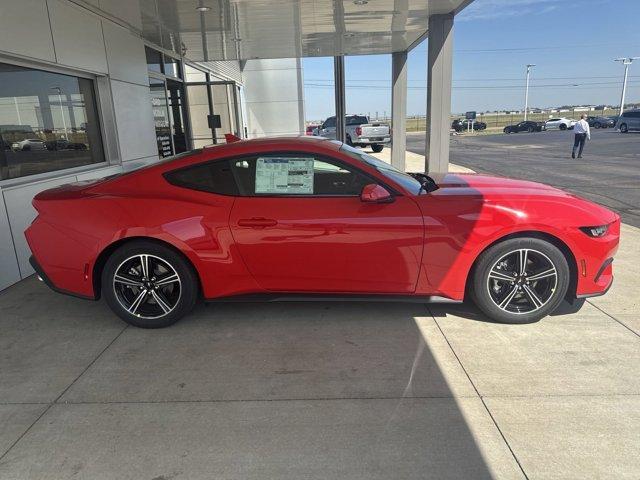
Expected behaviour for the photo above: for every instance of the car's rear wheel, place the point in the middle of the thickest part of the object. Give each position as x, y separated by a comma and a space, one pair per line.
377, 148
563, 126
530, 129
149, 285
624, 128
506, 130
596, 125
520, 280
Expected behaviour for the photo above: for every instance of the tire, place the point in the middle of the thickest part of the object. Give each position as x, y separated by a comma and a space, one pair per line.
597, 125
349, 142
563, 126
522, 307
530, 129
377, 148
507, 130
624, 128
178, 296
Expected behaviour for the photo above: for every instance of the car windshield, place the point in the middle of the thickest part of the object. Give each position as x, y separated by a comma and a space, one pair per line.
386, 169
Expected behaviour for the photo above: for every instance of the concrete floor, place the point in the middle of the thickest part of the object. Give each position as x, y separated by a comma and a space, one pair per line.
320, 390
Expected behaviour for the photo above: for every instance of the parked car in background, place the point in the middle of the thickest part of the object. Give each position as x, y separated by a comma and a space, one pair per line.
629, 121
360, 132
462, 124
560, 123
527, 126
62, 144
28, 144
311, 130
614, 118
600, 122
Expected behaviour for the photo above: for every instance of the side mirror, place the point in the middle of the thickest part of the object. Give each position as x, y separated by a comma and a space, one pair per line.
374, 193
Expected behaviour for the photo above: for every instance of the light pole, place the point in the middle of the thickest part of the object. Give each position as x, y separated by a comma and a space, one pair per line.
626, 62
526, 91
64, 122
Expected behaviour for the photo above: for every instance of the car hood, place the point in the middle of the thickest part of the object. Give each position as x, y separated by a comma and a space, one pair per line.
522, 194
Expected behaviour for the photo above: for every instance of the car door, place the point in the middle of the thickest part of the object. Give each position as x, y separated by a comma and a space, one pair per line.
300, 226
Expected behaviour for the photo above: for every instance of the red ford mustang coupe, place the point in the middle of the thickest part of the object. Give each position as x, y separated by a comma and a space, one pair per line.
310, 218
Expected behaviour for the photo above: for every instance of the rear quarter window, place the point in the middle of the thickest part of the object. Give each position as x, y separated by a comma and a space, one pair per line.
213, 177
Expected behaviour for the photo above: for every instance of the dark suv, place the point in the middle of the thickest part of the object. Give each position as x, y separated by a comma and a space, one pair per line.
629, 121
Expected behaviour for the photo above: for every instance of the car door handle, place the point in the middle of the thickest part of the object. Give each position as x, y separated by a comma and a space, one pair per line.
257, 222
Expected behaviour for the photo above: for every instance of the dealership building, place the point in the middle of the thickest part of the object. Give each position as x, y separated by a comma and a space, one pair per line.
90, 88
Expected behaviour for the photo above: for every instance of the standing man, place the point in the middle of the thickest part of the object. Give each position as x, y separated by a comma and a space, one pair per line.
582, 133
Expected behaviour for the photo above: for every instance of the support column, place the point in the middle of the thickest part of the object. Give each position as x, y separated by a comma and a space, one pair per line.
338, 80
439, 77
399, 109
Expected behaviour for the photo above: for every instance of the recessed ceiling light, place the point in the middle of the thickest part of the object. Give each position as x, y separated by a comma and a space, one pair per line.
360, 2
203, 8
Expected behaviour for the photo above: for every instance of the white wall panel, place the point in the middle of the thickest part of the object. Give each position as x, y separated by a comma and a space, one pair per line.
24, 29
125, 54
103, 172
21, 213
141, 162
134, 120
274, 98
126, 10
272, 119
77, 36
9, 272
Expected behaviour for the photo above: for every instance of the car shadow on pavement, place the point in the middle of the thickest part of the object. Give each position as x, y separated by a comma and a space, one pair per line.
469, 311
313, 390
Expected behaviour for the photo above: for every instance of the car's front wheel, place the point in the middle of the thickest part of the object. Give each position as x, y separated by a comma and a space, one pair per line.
624, 128
149, 285
520, 280
377, 148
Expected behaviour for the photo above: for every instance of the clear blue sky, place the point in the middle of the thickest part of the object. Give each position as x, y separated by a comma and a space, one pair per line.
493, 41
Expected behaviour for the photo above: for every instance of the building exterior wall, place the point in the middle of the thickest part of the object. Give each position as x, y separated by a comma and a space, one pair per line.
101, 40
273, 97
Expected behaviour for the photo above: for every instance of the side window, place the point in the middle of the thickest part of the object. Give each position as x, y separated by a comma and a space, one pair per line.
214, 177
296, 174
329, 122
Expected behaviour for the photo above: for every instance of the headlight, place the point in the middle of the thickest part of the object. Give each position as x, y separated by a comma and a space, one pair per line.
595, 231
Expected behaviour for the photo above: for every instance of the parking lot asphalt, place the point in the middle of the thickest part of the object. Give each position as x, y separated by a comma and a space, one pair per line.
608, 173
321, 390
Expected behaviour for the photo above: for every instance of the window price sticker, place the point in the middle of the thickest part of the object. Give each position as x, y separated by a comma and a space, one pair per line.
282, 175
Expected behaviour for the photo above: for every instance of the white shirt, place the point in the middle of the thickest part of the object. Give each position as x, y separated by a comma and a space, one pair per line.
582, 127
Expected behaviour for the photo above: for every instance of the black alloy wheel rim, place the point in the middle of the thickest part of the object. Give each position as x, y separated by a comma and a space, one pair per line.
147, 286
522, 281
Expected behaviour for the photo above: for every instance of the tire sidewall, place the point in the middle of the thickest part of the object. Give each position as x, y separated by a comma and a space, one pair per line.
188, 280
487, 259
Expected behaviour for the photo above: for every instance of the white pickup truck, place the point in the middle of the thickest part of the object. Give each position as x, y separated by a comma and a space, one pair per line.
360, 132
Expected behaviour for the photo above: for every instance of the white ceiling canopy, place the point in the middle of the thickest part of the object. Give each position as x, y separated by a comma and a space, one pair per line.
250, 29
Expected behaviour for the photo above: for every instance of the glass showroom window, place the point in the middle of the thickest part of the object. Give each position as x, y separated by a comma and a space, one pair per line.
48, 121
